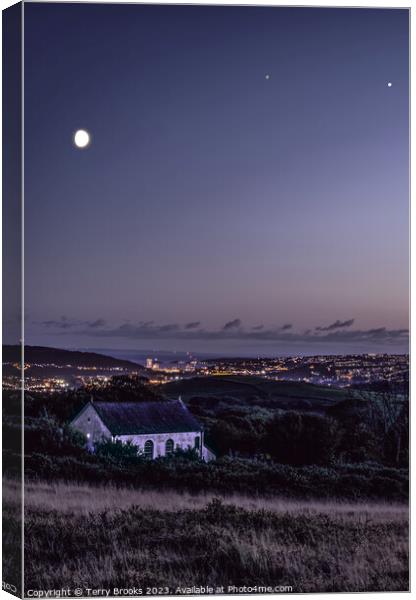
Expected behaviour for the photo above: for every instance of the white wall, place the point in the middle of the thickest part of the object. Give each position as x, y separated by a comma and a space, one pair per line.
91, 425
183, 440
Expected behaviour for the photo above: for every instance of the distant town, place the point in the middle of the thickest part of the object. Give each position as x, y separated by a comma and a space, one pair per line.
328, 370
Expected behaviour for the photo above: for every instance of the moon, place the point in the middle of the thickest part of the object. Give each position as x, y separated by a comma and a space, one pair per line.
267, 76
389, 84
82, 138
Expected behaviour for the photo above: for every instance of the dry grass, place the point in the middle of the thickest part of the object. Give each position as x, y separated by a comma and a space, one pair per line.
84, 499
78, 535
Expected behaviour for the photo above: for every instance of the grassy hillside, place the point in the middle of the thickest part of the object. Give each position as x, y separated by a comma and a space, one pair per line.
311, 547
260, 391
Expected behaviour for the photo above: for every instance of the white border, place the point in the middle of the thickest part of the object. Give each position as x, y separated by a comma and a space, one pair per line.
392, 4
289, 3
22, 274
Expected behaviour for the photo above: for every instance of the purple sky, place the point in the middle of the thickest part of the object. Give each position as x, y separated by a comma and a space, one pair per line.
217, 210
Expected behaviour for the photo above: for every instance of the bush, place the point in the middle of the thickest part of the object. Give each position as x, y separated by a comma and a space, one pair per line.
225, 476
117, 452
45, 436
303, 439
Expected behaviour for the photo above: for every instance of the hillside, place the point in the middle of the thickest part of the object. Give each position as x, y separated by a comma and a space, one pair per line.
47, 361
256, 390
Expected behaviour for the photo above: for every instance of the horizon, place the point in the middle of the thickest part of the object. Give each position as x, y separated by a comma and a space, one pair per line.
156, 354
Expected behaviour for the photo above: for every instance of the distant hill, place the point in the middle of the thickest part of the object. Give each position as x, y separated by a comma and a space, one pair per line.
54, 361
256, 390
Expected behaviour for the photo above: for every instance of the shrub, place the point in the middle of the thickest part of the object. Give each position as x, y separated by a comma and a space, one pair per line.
117, 451
225, 476
303, 439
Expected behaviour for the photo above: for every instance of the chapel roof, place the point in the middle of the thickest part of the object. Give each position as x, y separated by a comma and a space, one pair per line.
135, 418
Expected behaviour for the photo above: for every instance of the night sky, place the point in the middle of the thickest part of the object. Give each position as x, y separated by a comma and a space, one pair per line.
246, 188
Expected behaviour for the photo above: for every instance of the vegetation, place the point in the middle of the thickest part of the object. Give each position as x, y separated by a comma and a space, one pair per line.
256, 391
317, 547
298, 423
301, 493
249, 476
357, 448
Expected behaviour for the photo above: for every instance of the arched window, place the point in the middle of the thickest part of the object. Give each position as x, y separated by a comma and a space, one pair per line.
169, 447
197, 442
148, 449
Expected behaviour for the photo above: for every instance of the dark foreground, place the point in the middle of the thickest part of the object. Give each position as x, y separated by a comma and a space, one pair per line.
194, 541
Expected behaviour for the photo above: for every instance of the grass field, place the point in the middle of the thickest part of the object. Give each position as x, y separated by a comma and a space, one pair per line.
246, 385
108, 537
283, 394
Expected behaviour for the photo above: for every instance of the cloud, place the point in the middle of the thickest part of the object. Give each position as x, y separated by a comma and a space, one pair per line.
96, 323
338, 334
379, 334
193, 325
337, 325
66, 323
232, 325
62, 323
144, 331
169, 327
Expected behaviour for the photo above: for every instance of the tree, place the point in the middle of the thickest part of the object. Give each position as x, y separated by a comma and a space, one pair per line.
388, 417
301, 439
124, 388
